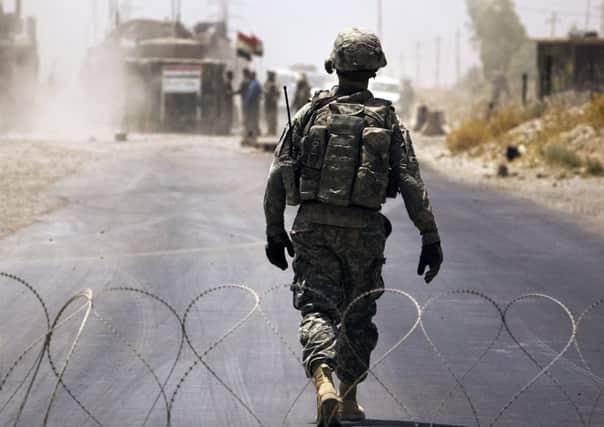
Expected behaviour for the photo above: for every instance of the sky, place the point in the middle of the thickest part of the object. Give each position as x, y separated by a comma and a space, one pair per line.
303, 31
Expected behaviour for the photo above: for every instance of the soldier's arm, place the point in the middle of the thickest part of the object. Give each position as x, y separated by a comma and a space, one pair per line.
410, 184
274, 195
274, 198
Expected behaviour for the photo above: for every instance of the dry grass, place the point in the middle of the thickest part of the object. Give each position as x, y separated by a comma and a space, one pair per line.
594, 112
475, 132
469, 135
507, 119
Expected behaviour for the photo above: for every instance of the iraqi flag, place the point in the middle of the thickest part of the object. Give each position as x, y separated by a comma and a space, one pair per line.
248, 46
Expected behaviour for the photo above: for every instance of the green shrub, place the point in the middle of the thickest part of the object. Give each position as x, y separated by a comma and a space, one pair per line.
558, 154
594, 167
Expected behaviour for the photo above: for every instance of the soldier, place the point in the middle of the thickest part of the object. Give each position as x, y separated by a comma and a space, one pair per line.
348, 153
271, 100
228, 103
302, 94
243, 87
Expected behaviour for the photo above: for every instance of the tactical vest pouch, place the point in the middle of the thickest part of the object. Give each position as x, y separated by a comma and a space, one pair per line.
290, 182
372, 177
340, 160
313, 151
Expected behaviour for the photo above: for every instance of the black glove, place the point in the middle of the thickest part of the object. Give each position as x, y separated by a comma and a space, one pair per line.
432, 256
275, 250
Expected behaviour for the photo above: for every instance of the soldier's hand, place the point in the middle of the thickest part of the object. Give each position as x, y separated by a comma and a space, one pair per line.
431, 256
275, 250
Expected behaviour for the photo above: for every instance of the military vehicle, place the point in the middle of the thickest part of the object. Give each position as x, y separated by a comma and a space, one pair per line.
156, 76
18, 67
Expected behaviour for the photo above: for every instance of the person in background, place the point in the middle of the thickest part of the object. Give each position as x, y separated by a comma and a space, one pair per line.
228, 103
271, 101
303, 94
241, 91
407, 99
251, 102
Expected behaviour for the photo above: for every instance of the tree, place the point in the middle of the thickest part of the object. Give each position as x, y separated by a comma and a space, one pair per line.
500, 37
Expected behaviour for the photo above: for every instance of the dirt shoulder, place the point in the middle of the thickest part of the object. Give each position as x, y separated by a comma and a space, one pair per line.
580, 198
28, 170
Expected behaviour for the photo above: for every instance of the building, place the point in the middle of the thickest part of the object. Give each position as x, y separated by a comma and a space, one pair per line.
158, 76
570, 64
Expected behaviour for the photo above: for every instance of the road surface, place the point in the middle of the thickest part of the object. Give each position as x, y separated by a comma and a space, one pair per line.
182, 220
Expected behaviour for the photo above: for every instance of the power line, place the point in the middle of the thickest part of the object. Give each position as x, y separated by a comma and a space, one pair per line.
546, 11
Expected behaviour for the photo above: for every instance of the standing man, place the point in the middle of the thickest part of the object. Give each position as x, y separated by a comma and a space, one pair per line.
271, 101
251, 101
228, 103
302, 95
407, 99
348, 154
243, 86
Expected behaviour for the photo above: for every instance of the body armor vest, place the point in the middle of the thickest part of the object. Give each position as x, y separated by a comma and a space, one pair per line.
345, 154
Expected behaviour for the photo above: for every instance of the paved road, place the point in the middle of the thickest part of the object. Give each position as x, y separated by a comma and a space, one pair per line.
183, 218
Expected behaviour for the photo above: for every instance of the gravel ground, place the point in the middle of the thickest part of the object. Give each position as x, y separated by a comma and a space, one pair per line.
30, 166
580, 198
27, 172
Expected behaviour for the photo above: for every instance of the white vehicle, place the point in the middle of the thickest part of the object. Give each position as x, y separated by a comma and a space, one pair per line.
388, 88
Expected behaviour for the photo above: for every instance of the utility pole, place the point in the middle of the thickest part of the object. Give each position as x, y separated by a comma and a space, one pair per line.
380, 20
437, 62
178, 10
95, 21
602, 19
553, 21
401, 64
458, 55
587, 15
112, 13
418, 62
224, 6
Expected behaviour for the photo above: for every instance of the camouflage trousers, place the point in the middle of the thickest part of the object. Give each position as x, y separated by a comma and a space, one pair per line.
333, 267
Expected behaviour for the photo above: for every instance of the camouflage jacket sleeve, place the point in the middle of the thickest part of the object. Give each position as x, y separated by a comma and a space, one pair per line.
274, 195
406, 171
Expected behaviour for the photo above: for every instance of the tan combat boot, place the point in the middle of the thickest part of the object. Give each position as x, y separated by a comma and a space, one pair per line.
327, 397
349, 409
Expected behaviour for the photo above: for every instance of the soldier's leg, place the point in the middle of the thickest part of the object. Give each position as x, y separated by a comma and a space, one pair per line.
357, 341
358, 334
317, 294
362, 274
317, 291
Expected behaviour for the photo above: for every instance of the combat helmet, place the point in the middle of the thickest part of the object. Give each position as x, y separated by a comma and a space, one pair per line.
356, 50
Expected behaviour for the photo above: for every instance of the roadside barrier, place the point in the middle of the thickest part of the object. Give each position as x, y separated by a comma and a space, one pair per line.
84, 305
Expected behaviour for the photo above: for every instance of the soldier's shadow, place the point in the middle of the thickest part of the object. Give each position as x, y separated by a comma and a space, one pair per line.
392, 423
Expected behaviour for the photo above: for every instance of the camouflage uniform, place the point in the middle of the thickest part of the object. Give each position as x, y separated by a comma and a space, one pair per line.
339, 250
339, 253
271, 101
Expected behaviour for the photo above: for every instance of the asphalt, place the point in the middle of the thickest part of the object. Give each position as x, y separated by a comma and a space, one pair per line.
183, 222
